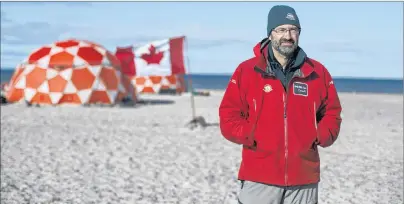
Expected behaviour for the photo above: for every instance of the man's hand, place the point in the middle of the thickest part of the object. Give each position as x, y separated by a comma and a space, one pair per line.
253, 147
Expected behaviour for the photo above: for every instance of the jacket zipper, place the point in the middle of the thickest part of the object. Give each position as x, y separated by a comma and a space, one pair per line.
255, 105
257, 114
255, 119
285, 119
286, 136
315, 115
285, 122
285, 101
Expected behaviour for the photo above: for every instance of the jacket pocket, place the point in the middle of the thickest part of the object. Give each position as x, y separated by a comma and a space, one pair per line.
311, 155
258, 153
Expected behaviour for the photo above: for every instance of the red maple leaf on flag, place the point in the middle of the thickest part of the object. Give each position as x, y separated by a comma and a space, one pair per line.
153, 57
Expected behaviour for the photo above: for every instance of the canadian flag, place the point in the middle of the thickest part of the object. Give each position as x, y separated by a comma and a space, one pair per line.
157, 58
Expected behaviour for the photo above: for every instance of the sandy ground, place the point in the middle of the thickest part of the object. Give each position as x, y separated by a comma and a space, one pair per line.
147, 155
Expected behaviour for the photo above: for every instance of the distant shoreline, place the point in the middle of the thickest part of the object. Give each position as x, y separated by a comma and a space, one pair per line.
229, 75
362, 93
203, 81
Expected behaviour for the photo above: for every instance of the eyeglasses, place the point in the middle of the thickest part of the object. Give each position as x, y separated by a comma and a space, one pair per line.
282, 31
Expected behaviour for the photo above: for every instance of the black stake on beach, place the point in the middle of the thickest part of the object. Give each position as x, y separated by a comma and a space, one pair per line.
196, 120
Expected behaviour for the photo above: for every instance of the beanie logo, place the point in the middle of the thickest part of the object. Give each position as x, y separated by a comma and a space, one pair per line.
290, 17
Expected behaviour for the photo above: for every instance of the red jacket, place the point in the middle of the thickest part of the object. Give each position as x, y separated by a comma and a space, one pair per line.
280, 130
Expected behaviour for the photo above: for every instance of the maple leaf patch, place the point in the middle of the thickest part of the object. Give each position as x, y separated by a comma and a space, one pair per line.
153, 57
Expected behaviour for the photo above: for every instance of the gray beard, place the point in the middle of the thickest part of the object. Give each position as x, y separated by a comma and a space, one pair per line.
285, 51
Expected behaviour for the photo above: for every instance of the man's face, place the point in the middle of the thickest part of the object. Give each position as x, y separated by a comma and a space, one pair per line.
285, 39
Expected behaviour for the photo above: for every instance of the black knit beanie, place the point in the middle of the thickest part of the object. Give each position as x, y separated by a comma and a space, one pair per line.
280, 15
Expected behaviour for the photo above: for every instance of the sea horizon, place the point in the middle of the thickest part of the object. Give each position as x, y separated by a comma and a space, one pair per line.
219, 81
229, 74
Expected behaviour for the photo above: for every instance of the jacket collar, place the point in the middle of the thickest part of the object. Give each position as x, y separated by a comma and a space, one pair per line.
265, 64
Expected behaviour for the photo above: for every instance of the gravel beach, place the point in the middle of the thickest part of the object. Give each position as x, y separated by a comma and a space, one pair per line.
147, 155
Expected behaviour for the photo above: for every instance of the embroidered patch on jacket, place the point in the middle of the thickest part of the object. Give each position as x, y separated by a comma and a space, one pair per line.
267, 88
300, 88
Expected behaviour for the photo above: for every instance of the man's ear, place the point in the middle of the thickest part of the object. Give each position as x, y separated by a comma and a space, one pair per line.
269, 37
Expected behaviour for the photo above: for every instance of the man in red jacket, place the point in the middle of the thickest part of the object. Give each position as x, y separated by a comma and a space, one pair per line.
280, 105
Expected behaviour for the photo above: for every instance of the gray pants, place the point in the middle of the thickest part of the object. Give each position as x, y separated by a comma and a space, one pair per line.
258, 193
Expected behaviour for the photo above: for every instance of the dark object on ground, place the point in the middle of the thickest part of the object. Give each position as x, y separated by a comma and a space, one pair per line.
154, 102
201, 122
201, 93
3, 99
168, 92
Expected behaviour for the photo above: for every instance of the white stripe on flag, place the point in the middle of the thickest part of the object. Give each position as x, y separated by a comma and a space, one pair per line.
143, 68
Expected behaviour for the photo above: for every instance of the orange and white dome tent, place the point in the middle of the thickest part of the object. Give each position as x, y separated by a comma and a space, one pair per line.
70, 71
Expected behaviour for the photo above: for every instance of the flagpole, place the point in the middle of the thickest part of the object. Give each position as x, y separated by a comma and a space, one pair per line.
190, 82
